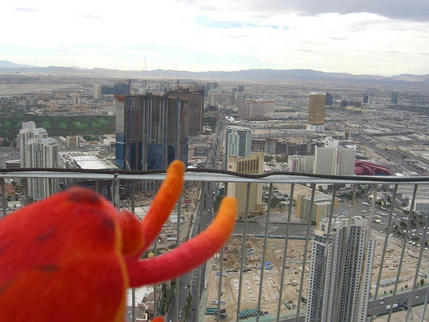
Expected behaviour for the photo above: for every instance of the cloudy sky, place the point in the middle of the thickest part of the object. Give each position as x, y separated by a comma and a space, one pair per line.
385, 37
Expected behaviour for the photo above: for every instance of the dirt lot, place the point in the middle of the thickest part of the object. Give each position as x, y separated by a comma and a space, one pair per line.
271, 284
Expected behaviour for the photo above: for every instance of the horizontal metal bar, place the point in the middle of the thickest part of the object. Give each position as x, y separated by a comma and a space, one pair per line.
216, 177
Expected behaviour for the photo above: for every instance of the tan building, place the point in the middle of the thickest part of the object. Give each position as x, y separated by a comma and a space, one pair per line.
195, 99
254, 164
321, 207
316, 111
72, 141
254, 109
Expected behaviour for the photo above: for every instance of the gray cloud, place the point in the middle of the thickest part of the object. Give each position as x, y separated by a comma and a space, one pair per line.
416, 10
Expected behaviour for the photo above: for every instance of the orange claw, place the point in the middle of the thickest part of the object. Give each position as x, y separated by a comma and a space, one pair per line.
188, 255
163, 203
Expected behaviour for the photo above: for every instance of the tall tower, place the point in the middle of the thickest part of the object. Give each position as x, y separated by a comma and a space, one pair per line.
151, 132
395, 97
238, 142
329, 99
195, 99
316, 111
25, 134
38, 151
97, 91
340, 271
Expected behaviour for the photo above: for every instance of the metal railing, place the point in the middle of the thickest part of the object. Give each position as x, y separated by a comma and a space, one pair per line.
199, 290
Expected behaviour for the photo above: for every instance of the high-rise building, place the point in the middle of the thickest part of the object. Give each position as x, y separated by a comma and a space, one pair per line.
97, 91
151, 131
28, 131
238, 142
301, 163
329, 99
334, 161
107, 90
38, 151
340, 271
121, 88
366, 98
254, 164
316, 111
195, 99
254, 109
395, 98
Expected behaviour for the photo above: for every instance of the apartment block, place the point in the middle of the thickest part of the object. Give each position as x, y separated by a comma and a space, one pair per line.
340, 271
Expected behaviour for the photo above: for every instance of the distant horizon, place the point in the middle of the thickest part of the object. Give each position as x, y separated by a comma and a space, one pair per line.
30, 65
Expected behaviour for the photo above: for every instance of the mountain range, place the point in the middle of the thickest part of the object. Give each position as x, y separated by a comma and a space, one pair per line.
288, 75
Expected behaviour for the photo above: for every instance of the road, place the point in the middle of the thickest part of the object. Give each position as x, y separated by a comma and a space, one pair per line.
397, 157
190, 281
381, 304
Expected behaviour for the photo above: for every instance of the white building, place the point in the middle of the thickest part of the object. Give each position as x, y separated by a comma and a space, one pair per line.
301, 163
25, 134
97, 91
41, 153
334, 161
340, 271
238, 142
38, 151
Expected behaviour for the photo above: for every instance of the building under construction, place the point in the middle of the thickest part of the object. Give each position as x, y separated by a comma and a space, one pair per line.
151, 131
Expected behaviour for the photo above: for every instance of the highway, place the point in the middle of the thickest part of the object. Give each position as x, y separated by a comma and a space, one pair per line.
190, 281
397, 157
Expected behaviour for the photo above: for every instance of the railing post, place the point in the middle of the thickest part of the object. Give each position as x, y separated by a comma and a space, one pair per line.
264, 249
178, 280
416, 276
403, 251
27, 197
133, 210
243, 251
3, 197
307, 234
292, 187
389, 223
115, 191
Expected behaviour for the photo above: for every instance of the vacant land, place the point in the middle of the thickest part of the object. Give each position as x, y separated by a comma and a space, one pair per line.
291, 283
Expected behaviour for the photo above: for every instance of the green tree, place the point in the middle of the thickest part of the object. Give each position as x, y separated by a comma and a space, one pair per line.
275, 202
268, 158
281, 159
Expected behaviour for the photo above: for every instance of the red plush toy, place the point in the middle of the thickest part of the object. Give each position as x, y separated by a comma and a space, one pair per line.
71, 257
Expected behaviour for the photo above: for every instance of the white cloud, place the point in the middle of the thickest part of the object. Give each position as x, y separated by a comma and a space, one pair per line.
233, 36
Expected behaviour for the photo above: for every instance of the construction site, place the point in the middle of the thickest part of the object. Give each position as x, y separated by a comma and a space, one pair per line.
292, 278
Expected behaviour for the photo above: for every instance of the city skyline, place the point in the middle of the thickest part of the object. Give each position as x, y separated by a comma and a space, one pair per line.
358, 38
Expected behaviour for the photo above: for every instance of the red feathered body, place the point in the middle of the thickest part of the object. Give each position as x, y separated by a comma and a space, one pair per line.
71, 257
61, 251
